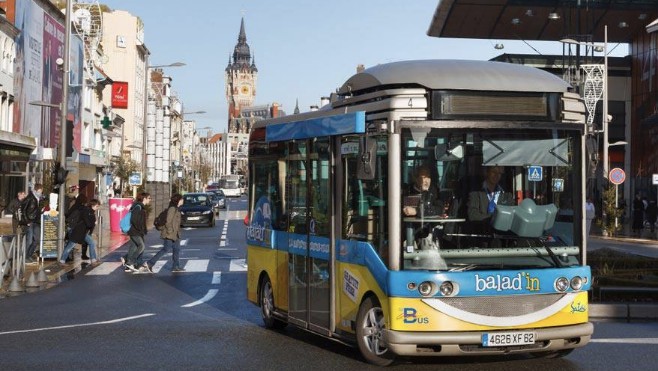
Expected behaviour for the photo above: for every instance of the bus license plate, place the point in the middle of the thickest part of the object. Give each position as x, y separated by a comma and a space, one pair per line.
502, 339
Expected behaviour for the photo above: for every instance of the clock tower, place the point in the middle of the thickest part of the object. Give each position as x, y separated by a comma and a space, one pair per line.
240, 77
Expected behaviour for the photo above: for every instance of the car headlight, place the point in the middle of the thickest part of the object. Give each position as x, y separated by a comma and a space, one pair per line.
207, 212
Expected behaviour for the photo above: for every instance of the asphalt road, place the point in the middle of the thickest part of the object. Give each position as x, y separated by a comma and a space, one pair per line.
105, 318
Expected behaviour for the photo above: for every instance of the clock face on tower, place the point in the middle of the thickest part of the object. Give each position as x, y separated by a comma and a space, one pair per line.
244, 89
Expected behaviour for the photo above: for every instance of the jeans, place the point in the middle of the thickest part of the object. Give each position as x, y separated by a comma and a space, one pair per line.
168, 245
32, 238
70, 244
134, 256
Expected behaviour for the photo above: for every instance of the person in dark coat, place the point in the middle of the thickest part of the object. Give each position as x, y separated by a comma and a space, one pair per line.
32, 210
72, 216
14, 208
170, 235
638, 214
79, 232
137, 231
652, 211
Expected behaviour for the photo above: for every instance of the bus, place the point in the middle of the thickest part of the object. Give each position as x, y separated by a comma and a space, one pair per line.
230, 184
331, 251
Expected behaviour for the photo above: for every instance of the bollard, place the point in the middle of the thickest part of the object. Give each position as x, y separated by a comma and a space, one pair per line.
41, 276
32, 281
15, 285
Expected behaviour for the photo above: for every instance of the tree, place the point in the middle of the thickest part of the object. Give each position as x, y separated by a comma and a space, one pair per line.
610, 212
124, 167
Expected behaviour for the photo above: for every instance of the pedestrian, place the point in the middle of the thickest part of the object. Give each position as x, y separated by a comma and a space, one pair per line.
137, 232
32, 211
15, 208
81, 231
72, 216
590, 214
652, 211
638, 214
170, 235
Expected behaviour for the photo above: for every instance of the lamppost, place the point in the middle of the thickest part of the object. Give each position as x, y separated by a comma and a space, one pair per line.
605, 117
63, 108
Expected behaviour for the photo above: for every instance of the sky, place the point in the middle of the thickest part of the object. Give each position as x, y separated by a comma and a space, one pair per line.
303, 50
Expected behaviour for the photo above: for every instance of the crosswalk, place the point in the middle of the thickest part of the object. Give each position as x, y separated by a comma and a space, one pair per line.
191, 263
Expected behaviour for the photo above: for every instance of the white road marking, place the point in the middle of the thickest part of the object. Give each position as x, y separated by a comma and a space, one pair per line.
227, 248
78, 325
158, 266
197, 265
222, 243
238, 265
626, 341
157, 246
184, 242
104, 269
211, 294
216, 278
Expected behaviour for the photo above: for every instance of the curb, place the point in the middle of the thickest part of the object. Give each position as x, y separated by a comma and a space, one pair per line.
631, 311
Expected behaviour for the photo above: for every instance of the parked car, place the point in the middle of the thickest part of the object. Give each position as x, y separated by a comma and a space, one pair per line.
197, 209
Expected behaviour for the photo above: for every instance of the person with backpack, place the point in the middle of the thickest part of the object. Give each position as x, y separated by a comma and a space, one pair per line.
136, 233
32, 210
80, 230
170, 234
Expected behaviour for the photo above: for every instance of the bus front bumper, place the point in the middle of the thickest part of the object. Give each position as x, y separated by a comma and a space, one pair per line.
470, 343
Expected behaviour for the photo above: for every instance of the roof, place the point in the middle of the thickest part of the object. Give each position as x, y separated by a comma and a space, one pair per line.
529, 19
457, 75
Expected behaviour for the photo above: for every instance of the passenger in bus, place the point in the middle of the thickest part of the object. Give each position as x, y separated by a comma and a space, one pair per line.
482, 203
420, 198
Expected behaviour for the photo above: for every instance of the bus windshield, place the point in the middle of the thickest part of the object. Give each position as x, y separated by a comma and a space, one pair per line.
489, 199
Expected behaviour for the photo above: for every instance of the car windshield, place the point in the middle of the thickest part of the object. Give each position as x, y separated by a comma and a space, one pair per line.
196, 200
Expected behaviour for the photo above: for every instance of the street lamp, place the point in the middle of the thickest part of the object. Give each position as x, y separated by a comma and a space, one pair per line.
605, 117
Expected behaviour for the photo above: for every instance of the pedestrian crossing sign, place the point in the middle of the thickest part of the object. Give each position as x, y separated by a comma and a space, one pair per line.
535, 174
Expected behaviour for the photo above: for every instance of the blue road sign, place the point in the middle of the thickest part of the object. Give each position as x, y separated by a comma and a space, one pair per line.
535, 174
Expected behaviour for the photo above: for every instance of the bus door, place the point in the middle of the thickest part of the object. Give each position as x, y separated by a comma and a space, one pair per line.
309, 202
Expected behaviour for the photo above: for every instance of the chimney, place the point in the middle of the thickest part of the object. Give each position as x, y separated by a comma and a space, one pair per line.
314, 108
360, 68
324, 101
274, 110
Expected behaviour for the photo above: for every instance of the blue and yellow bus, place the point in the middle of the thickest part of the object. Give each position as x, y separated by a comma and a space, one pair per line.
334, 249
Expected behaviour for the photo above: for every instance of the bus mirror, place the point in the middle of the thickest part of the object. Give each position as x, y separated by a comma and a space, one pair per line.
365, 164
443, 152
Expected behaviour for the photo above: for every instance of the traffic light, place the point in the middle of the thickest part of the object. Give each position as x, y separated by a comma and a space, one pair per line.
106, 122
60, 175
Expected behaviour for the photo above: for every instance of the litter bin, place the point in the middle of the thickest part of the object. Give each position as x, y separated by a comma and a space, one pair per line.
118, 208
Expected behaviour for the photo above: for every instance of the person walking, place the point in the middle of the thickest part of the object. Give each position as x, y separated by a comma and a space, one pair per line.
73, 216
32, 215
80, 232
170, 234
15, 208
590, 214
137, 232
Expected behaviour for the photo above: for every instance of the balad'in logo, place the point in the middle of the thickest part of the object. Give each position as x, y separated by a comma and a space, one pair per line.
498, 282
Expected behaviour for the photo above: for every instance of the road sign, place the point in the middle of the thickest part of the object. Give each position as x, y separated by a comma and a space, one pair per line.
135, 178
655, 179
535, 174
617, 176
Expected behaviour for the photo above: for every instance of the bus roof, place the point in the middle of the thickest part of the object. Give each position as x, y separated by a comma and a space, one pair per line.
455, 75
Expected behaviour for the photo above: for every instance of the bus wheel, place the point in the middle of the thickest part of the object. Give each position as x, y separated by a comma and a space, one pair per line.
369, 332
554, 354
267, 306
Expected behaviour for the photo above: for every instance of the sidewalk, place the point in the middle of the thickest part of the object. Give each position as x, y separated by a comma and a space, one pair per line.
106, 240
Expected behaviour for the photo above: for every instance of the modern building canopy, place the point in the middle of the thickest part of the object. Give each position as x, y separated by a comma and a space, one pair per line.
549, 20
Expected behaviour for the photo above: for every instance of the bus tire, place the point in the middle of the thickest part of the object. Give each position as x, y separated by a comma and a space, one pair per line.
267, 306
551, 355
369, 332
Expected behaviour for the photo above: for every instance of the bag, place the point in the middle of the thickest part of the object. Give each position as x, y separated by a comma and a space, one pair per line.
161, 220
124, 224
73, 219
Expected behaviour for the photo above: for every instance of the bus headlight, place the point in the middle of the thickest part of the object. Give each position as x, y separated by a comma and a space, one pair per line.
576, 283
447, 288
561, 284
425, 288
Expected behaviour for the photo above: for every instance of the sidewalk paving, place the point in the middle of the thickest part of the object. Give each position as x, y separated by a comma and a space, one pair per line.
645, 245
106, 242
